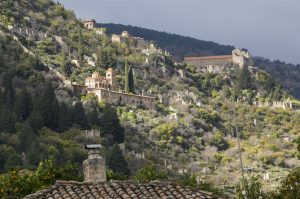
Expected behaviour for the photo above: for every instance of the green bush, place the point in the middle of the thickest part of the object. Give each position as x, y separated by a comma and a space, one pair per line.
149, 173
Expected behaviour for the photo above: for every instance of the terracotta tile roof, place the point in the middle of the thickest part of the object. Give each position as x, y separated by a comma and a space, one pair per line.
207, 57
119, 190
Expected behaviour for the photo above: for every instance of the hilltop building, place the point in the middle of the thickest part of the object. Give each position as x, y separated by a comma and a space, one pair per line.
215, 64
89, 23
139, 42
106, 90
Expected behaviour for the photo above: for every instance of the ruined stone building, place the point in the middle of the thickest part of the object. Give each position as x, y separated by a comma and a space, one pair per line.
215, 64
125, 36
106, 90
89, 23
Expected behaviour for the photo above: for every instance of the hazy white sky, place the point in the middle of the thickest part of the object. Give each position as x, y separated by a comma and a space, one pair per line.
268, 28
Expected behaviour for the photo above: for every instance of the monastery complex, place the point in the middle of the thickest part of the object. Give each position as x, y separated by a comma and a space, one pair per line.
214, 64
105, 89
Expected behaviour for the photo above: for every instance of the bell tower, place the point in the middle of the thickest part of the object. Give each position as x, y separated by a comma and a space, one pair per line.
110, 77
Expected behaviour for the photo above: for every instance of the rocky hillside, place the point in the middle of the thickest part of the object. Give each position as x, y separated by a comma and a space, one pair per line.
192, 129
180, 46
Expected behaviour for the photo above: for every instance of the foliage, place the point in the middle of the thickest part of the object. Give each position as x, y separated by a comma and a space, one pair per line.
189, 180
290, 186
19, 183
116, 161
149, 173
110, 175
250, 189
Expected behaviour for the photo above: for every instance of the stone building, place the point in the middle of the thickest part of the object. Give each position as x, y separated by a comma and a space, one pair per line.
119, 98
89, 23
97, 81
117, 39
105, 89
215, 64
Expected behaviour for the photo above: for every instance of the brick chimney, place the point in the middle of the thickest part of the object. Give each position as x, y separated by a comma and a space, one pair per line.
94, 167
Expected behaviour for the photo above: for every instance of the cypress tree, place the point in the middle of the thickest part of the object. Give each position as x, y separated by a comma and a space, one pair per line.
79, 116
65, 118
64, 63
47, 105
110, 124
244, 78
80, 46
9, 91
23, 105
126, 78
131, 80
7, 121
116, 161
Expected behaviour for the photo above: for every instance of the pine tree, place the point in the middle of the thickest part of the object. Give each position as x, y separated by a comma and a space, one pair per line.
110, 124
126, 78
23, 105
131, 80
116, 161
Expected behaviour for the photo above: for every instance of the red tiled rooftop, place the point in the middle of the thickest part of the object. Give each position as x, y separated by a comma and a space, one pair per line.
120, 190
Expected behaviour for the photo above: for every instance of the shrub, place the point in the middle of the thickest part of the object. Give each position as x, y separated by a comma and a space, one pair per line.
149, 173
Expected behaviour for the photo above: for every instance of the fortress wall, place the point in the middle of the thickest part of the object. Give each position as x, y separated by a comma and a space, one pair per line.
123, 98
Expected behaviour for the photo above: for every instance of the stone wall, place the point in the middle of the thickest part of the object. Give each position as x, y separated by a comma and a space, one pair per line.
278, 104
114, 97
203, 62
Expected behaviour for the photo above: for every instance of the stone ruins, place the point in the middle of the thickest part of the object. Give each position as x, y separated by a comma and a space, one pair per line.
287, 104
125, 36
215, 64
105, 89
89, 23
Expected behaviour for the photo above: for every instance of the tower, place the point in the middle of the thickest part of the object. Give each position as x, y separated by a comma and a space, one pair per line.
110, 77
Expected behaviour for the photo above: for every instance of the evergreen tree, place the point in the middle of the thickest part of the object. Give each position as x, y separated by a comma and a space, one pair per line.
244, 78
23, 105
93, 117
36, 120
116, 161
110, 124
65, 118
64, 63
9, 91
80, 46
126, 78
7, 121
131, 80
26, 136
47, 105
79, 116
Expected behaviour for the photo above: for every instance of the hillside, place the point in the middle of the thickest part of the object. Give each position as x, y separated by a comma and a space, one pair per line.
180, 46
190, 132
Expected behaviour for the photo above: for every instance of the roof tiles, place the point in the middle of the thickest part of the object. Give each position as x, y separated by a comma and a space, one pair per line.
119, 190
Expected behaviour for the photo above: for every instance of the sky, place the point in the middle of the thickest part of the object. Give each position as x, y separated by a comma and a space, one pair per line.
268, 28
